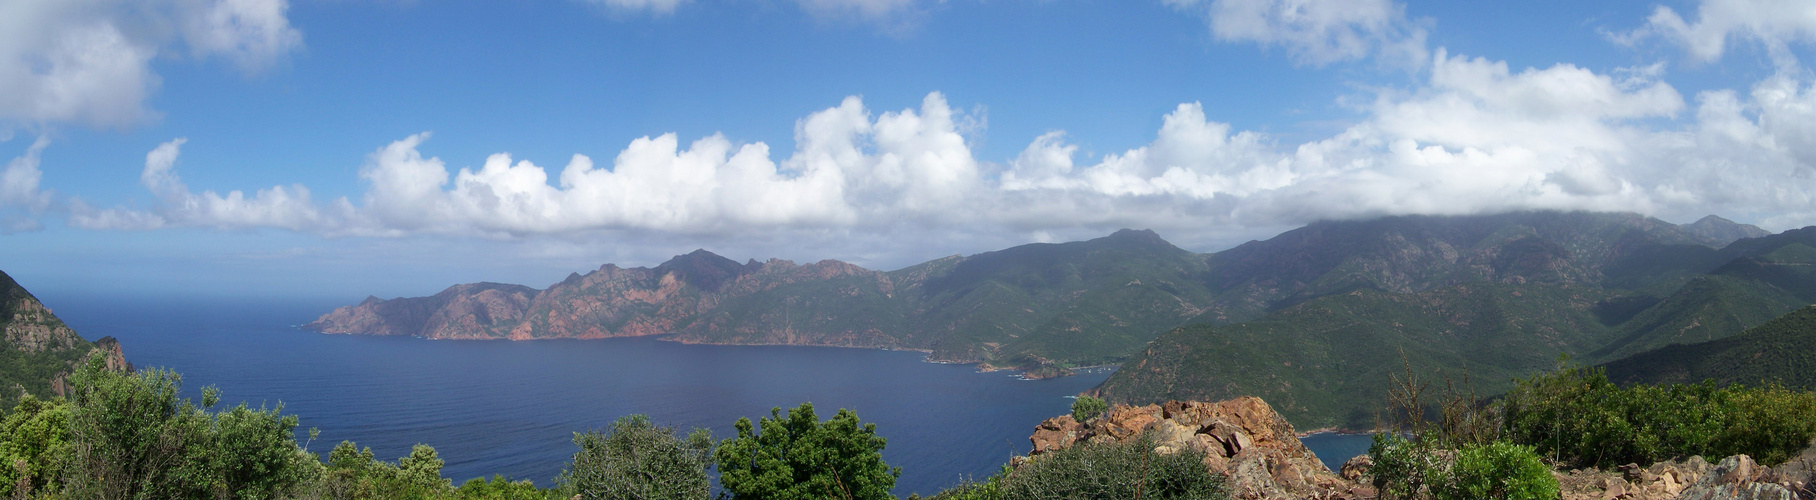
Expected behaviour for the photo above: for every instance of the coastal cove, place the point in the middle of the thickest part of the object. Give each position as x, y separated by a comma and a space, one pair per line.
502, 407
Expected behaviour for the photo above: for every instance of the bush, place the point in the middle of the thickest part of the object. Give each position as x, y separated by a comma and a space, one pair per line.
1129, 469
1577, 417
638, 460
1499, 470
1087, 407
130, 437
798, 457
499, 488
353, 473
32, 438
1407, 469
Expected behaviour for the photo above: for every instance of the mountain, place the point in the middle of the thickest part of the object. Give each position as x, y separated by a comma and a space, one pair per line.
1031, 306
1492, 296
1312, 318
37, 350
1775, 352
1716, 231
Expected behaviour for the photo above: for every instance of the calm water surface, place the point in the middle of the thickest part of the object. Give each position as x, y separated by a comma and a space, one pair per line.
511, 408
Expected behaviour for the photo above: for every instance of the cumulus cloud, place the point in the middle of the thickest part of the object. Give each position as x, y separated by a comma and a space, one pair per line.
1318, 32
277, 207
1773, 23
19, 182
89, 62
1477, 137
853, 168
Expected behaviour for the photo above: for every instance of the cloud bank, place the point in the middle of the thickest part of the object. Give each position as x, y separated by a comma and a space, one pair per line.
89, 62
1476, 137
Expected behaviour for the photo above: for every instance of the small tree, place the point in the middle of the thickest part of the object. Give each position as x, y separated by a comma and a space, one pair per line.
636, 460
1087, 407
798, 457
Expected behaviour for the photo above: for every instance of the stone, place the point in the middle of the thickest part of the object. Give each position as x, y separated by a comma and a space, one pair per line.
1356, 467
1243, 439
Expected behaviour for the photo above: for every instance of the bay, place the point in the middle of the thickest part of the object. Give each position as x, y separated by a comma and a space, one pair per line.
511, 408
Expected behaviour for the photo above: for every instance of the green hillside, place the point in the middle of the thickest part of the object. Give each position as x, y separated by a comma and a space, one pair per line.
1779, 351
36, 346
1495, 301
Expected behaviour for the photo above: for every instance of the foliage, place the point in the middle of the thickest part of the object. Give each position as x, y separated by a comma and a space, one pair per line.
638, 460
1087, 407
1576, 416
1091, 471
798, 457
353, 473
989, 489
1409, 469
499, 488
1776, 352
130, 437
32, 438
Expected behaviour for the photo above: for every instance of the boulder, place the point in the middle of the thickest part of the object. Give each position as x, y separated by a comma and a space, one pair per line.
1243, 439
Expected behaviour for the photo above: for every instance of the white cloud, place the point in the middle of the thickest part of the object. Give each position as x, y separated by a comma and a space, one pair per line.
19, 182
277, 207
89, 61
1774, 23
659, 7
1476, 137
1319, 32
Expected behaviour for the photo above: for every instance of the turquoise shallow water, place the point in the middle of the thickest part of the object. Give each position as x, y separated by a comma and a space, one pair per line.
511, 408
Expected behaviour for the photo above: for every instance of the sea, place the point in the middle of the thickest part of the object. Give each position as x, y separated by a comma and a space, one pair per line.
512, 408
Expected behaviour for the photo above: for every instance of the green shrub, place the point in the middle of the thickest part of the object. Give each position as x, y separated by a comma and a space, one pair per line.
1086, 407
353, 473
32, 439
1091, 471
1499, 470
989, 489
638, 460
1577, 417
1407, 469
499, 488
130, 437
798, 457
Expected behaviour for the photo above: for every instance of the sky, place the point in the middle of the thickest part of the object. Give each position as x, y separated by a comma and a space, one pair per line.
340, 148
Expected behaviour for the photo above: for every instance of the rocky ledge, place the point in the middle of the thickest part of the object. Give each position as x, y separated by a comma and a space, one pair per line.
1256, 450
1243, 439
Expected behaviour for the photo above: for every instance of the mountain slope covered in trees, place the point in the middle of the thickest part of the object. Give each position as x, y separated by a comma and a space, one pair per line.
1051, 306
1496, 297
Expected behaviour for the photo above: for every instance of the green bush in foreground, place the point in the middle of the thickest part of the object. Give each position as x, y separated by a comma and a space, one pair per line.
1092, 471
1405, 469
638, 460
798, 457
1577, 417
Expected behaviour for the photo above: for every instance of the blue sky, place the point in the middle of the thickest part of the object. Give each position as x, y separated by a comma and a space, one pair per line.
365, 138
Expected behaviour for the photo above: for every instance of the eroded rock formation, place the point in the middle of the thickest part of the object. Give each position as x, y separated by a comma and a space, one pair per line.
1242, 438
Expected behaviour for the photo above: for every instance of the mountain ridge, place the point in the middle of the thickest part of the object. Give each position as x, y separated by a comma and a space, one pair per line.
1047, 307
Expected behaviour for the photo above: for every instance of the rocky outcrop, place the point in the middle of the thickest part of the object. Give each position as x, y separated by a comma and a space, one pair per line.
1733, 478
46, 351
1242, 439
106, 347
33, 329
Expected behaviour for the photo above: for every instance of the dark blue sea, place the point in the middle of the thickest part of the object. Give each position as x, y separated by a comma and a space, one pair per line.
511, 408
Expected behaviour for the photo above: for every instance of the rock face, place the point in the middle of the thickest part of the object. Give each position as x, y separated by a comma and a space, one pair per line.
47, 351
1242, 438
